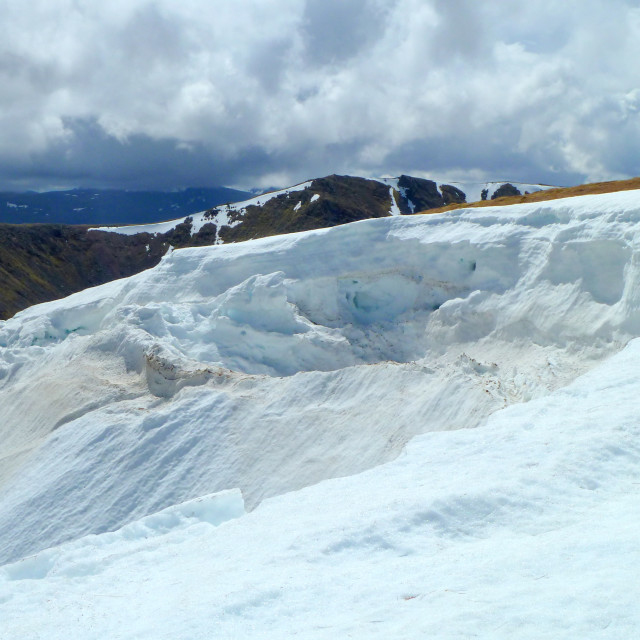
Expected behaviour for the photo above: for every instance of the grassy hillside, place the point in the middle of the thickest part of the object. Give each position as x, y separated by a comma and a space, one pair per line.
327, 202
44, 262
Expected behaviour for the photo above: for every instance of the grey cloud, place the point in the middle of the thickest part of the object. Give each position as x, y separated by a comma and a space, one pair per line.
156, 93
91, 157
336, 30
461, 31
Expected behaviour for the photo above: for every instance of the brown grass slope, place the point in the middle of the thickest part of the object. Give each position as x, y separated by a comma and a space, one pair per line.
42, 262
550, 194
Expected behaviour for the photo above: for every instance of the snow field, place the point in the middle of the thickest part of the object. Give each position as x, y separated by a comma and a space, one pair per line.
525, 528
172, 379
275, 364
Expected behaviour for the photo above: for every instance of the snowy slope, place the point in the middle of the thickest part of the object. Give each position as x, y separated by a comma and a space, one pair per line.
221, 218
525, 528
271, 365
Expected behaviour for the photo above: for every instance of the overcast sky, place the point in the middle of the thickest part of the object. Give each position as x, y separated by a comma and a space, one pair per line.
166, 94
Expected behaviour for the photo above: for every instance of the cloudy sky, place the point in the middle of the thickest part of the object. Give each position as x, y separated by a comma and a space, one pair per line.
166, 94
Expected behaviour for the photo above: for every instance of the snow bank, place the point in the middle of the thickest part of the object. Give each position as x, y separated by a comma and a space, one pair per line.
525, 528
274, 364
88, 555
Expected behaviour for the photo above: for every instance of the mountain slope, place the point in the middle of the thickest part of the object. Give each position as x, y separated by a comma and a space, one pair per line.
44, 262
40, 262
326, 202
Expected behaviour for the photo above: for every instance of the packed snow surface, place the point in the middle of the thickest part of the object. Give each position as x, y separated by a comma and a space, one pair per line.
339, 373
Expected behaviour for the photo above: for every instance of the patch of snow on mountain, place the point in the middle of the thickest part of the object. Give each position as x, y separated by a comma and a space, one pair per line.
403, 193
394, 210
200, 219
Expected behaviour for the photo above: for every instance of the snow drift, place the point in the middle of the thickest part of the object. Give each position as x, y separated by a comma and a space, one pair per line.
524, 528
271, 365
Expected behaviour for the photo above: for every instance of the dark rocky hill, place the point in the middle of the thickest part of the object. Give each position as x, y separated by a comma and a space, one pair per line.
327, 202
45, 262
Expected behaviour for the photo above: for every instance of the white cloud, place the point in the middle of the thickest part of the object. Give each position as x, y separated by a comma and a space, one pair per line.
254, 89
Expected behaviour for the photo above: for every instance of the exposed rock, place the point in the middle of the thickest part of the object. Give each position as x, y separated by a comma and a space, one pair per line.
452, 195
506, 189
423, 193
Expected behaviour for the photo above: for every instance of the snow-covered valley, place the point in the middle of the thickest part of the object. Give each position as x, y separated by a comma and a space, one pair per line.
403, 427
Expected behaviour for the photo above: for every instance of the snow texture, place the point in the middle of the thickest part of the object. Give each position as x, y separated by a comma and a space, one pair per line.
338, 373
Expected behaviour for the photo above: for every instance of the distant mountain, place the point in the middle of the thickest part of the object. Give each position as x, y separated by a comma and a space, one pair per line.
110, 206
43, 262
323, 202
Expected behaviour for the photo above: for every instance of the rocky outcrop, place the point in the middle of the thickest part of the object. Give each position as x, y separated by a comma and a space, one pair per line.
452, 195
504, 190
424, 194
